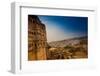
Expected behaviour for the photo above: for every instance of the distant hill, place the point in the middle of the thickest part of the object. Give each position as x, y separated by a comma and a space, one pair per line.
65, 42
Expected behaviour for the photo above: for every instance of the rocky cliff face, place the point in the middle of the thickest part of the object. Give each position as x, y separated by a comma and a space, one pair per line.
36, 39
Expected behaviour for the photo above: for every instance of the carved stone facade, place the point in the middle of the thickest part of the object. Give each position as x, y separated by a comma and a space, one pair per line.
37, 40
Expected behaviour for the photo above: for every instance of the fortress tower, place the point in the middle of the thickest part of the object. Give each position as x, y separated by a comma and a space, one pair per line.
36, 39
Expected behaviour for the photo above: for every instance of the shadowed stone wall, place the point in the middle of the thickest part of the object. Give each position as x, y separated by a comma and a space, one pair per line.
36, 39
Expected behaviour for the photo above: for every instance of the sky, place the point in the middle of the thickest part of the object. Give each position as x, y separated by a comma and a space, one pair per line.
64, 27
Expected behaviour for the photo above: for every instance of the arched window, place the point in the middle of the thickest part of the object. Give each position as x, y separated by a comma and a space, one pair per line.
34, 33
35, 45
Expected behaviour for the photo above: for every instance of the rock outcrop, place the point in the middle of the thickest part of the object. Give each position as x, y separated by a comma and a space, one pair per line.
37, 39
